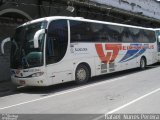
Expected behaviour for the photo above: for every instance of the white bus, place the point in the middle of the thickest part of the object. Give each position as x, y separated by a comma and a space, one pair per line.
54, 50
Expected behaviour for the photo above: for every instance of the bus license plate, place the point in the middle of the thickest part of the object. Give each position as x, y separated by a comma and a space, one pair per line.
22, 82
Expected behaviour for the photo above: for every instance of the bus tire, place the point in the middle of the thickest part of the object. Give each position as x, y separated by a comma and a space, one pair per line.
143, 63
82, 74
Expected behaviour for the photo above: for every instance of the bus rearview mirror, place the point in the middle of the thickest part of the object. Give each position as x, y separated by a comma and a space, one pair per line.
3, 43
36, 37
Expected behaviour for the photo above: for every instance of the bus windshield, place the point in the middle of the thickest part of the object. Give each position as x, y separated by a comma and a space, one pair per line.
23, 53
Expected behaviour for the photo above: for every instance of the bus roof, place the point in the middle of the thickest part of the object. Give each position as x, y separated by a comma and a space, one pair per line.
86, 20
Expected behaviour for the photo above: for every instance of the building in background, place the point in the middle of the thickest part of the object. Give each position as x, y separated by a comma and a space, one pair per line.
15, 12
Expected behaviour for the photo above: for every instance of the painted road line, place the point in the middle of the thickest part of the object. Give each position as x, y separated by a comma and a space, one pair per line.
133, 101
65, 92
127, 104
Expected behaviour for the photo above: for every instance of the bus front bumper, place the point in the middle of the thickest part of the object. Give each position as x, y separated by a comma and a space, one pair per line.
34, 81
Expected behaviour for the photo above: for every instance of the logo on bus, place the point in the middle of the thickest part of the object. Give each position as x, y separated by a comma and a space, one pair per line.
111, 55
133, 51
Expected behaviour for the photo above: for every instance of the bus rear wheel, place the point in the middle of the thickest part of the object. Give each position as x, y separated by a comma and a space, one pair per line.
142, 63
82, 74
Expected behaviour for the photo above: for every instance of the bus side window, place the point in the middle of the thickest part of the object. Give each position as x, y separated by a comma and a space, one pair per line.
139, 37
80, 31
57, 41
150, 36
114, 33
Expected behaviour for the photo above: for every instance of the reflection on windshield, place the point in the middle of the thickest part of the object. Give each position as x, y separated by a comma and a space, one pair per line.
23, 53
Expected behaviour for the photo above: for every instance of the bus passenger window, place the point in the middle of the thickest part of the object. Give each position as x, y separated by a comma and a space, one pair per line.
115, 33
57, 41
81, 31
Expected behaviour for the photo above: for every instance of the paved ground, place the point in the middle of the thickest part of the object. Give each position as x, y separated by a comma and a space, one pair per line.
130, 91
6, 87
148, 105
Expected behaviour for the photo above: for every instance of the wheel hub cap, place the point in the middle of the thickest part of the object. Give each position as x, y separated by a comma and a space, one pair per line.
81, 74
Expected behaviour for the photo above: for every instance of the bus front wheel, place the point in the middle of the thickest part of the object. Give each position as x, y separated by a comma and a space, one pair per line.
142, 63
82, 74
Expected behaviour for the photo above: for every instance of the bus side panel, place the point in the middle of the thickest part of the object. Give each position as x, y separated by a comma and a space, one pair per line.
107, 58
60, 72
82, 53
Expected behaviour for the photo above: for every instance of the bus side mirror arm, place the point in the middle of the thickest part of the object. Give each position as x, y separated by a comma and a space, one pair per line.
36, 37
3, 43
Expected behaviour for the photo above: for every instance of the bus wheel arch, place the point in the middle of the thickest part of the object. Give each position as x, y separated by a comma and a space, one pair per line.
82, 73
143, 63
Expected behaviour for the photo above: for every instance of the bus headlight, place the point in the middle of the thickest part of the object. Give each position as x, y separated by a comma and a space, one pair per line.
37, 74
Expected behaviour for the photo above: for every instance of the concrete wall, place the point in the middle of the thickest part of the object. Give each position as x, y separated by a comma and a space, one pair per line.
150, 8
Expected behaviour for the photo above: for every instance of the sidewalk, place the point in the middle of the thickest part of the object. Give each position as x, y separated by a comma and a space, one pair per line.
6, 87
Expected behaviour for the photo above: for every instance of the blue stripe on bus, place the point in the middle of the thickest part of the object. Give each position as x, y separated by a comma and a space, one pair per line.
130, 53
137, 55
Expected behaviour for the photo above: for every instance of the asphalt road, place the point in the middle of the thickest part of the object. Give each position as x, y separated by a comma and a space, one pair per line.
131, 91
